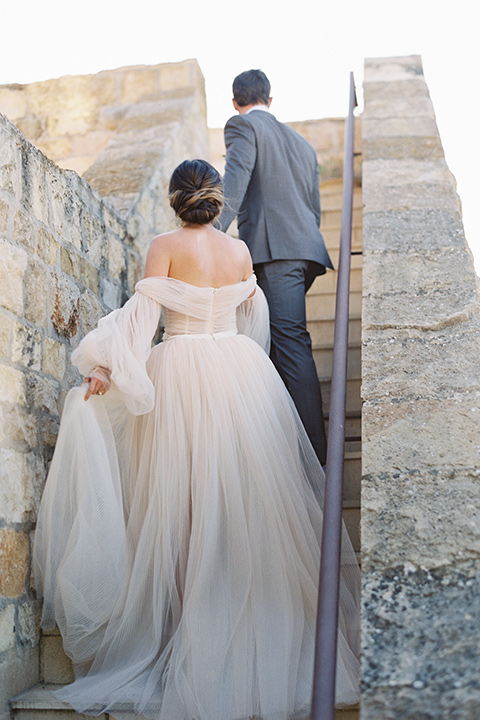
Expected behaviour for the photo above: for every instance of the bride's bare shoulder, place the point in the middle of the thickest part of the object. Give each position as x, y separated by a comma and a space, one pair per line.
159, 254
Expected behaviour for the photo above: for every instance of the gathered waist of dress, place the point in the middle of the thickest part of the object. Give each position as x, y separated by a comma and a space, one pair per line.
215, 335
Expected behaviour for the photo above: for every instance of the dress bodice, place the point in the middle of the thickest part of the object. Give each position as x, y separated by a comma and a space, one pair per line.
192, 310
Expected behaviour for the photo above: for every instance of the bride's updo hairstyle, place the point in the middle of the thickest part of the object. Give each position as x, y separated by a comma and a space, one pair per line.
196, 192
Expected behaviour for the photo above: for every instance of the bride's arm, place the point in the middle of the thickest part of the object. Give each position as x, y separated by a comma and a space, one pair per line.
120, 345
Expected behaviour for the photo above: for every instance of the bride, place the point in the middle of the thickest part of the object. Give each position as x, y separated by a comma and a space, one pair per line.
178, 538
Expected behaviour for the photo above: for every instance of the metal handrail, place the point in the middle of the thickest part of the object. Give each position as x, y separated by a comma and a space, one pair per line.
323, 700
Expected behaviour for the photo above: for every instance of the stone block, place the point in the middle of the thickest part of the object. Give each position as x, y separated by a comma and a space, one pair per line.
55, 666
28, 623
43, 393
79, 164
31, 127
95, 240
55, 147
394, 69
7, 628
26, 347
400, 185
134, 272
110, 294
12, 385
13, 102
435, 512
66, 210
413, 230
91, 277
139, 84
19, 429
91, 144
90, 311
21, 480
401, 148
53, 361
6, 335
19, 671
418, 289
37, 292
36, 177
14, 554
12, 270
10, 160
418, 364
418, 434
4, 214
420, 644
47, 247
66, 303
49, 427
116, 258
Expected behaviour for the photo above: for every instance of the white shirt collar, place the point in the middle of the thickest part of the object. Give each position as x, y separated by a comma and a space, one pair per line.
258, 107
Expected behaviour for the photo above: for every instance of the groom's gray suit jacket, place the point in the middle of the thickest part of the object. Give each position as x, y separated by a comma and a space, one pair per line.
272, 183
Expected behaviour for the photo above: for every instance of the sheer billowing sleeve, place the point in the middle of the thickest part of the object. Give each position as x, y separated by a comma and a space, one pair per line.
253, 319
121, 343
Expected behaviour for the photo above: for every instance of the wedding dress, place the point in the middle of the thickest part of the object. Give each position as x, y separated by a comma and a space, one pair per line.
177, 545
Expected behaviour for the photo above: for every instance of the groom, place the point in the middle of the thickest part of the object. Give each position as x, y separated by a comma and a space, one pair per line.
271, 183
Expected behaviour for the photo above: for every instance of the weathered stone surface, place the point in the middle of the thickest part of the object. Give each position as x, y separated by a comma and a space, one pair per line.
420, 505
55, 666
19, 671
18, 429
21, 479
28, 623
65, 307
411, 231
26, 347
421, 443
37, 292
116, 258
421, 639
42, 393
14, 554
7, 628
6, 334
47, 247
421, 434
12, 385
12, 269
4, 214
53, 361
91, 311
110, 294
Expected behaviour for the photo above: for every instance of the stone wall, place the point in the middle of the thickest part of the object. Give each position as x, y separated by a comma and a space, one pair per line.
67, 257
421, 387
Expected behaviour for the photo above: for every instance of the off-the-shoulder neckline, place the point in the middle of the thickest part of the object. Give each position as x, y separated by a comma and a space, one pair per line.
199, 287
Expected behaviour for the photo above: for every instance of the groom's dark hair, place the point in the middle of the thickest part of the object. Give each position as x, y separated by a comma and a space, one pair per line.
251, 87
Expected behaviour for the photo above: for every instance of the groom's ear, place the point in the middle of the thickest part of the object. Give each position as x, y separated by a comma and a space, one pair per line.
269, 101
236, 105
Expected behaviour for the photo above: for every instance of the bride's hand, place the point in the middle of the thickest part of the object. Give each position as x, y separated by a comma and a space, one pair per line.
98, 383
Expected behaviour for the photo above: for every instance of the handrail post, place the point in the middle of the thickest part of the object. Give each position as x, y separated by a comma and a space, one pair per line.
323, 700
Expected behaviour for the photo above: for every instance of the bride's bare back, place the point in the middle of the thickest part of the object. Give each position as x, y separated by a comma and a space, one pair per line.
199, 255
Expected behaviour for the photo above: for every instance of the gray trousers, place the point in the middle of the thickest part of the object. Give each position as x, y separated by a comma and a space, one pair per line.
285, 283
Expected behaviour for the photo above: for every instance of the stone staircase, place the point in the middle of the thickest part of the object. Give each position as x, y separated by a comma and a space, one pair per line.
39, 703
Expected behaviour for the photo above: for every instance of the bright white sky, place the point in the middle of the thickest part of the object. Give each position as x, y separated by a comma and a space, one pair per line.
306, 47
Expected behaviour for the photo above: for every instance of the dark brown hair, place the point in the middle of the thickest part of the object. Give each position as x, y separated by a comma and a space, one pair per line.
196, 192
251, 87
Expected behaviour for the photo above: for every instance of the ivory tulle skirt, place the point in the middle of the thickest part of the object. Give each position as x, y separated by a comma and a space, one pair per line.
179, 550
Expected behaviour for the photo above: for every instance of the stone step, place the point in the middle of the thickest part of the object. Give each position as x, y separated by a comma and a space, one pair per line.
39, 703
333, 200
55, 666
323, 356
323, 305
333, 218
322, 329
328, 283
354, 400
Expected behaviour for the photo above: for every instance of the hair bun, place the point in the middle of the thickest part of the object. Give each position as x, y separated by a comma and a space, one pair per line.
195, 192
